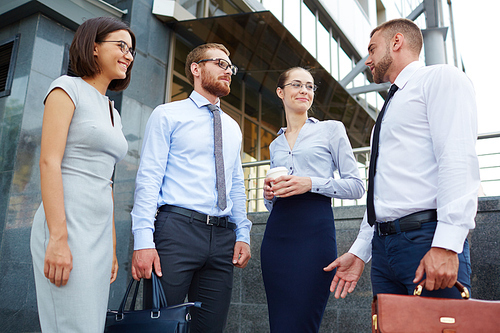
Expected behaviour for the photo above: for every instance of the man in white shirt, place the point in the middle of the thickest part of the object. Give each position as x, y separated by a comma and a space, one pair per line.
426, 178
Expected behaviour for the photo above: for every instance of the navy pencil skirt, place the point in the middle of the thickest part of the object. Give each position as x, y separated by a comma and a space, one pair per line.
298, 242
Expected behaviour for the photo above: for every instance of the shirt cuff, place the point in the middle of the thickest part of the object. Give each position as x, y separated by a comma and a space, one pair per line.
362, 249
143, 239
243, 235
450, 237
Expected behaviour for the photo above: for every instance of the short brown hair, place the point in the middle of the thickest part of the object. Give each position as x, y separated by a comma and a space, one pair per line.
198, 53
81, 51
407, 27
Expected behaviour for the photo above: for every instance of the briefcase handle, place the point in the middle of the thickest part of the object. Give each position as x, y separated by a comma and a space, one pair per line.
461, 288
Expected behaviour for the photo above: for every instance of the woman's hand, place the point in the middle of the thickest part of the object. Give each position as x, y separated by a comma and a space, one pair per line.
114, 269
58, 262
268, 192
286, 186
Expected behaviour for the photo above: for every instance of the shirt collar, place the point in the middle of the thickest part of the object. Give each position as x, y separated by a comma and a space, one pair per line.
407, 73
309, 120
199, 100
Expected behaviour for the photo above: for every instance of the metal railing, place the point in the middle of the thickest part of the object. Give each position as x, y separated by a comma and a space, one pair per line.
488, 152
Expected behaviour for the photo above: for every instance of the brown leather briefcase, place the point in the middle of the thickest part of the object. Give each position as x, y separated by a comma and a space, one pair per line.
415, 314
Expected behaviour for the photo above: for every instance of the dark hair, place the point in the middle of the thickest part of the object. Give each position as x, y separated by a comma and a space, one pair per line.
198, 53
81, 51
411, 31
284, 77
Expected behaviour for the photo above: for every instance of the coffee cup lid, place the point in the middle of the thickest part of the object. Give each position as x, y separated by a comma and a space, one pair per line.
277, 169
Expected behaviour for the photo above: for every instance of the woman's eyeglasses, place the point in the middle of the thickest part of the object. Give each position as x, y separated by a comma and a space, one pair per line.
123, 46
224, 64
298, 85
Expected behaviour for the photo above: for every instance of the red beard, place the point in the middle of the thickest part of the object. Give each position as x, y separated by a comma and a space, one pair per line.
215, 86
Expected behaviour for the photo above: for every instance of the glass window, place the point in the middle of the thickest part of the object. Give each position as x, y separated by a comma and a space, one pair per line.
181, 52
195, 7
221, 8
345, 65
324, 57
265, 141
180, 89
251, 99
276, 7
272, 110
291, 19
8, 54
250, 139
234, 98
309, 30
335, 58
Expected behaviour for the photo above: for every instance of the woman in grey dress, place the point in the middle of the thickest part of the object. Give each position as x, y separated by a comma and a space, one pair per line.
73, 238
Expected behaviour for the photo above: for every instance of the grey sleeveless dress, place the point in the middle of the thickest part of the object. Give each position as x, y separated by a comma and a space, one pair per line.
93, 147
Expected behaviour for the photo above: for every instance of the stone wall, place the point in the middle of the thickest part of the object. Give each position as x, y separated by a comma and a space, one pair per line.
248, 311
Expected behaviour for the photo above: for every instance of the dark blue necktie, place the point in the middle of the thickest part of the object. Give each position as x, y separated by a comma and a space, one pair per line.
373, 158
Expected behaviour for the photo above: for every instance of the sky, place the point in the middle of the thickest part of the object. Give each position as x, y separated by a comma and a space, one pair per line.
476, 29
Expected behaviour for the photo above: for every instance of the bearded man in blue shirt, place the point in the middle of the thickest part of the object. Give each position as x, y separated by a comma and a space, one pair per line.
189, 215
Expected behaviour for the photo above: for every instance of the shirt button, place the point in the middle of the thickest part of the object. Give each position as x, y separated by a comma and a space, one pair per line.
334, 192
317, 189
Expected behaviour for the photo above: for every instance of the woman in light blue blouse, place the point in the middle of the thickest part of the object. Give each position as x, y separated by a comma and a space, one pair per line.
300, 234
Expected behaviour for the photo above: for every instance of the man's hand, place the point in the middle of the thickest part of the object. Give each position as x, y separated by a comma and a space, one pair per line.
440, 267
349, 269
241, 254
143, 262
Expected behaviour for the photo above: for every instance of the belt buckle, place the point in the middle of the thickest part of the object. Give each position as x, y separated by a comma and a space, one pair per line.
208, 220
380, 233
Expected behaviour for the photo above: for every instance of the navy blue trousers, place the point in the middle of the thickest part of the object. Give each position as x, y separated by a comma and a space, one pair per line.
396, 258
298, 242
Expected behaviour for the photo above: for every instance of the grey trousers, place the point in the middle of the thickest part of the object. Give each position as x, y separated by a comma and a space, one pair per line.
196, 260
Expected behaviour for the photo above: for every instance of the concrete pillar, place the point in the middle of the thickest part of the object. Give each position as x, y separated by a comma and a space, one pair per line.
434, 45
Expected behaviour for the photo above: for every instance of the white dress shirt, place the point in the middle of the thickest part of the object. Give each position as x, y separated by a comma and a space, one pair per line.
427, 157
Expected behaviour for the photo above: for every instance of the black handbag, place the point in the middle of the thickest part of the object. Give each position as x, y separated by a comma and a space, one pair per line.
161, 318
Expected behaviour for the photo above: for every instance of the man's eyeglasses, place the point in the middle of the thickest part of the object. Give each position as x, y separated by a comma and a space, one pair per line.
123, 46
298, 85
224, 64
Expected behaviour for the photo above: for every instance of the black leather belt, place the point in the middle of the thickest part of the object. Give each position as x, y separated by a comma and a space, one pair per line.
218, 221
406, 223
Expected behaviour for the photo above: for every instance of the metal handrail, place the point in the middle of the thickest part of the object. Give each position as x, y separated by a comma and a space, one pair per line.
255, 173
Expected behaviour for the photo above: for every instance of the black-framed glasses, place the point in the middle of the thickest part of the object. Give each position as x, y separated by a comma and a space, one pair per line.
223, 63
298, 85
123, 46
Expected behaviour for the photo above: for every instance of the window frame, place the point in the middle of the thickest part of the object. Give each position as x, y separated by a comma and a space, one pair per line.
12, 63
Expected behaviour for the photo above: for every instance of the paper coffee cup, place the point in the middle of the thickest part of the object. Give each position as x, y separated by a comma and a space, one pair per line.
277, 172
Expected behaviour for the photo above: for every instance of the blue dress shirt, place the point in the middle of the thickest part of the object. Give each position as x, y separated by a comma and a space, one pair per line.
321, 148
178, 168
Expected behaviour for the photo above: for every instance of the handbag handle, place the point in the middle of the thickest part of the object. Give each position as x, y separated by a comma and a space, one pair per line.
464, 292
159, 299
